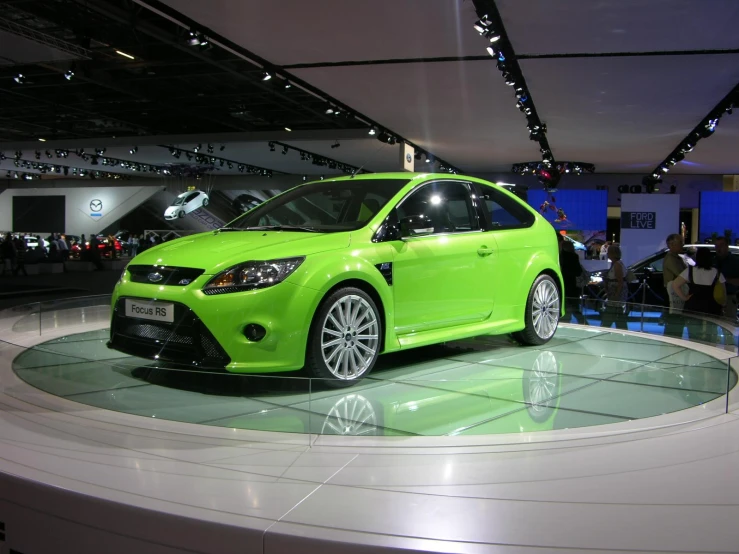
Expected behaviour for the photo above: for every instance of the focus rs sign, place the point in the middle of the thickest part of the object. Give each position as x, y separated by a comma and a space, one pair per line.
157, 311
638, 220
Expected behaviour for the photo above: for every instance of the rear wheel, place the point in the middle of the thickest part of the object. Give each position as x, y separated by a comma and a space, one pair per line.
542, 312
205, 202
344, 340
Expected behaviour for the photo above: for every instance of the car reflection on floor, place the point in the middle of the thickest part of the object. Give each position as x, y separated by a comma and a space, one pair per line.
484, 385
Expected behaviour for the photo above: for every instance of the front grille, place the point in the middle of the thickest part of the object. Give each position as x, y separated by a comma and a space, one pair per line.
185, 341
176, 276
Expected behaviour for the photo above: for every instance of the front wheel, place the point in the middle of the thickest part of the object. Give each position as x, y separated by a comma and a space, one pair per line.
205, 202
344, 340
181, 214
542, 312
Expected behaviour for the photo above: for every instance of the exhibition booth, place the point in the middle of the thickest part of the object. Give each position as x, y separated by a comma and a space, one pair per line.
97, 443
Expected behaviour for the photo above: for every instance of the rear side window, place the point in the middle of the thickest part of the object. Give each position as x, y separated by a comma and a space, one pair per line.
501, 211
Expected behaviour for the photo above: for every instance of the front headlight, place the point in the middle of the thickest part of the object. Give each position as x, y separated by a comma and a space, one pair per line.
252, 275
123, 274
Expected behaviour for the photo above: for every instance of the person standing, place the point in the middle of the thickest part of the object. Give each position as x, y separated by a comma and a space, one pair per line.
673, 266
728, 264
702, 280
617, 291
134, 245
569, 264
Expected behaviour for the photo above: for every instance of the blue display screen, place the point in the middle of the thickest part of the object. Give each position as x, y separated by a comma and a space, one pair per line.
572, 209
719, 212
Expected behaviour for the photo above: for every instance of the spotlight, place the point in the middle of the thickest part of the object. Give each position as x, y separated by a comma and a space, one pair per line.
429, 159
101, 151
509, 80
305, 177
38, 155
288, 84
386, 137
241, 168
48, 154
133, 150
288, 129
210, 149
322, 177
266, 76
223, 147
549, 178
373, 131
230, 165
336, 144
491, 50
69, 74
285, 149
329, 110
197, 148
271, 146
20, 78
94, 160
482, 24
493, 36
196, 39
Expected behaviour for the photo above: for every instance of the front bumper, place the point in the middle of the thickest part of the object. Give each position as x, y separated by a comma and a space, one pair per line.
208, 331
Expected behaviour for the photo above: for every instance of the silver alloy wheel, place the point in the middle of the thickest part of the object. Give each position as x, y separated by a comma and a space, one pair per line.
349, 337
351, 416
545, 309
543, 382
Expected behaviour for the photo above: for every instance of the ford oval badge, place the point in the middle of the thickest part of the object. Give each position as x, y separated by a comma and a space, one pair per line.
155, 277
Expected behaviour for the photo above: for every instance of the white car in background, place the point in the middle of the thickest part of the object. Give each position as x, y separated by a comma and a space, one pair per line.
185, 203
32, 242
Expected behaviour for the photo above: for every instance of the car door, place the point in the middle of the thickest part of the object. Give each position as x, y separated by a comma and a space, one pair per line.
506, 222
190, 205
442, 265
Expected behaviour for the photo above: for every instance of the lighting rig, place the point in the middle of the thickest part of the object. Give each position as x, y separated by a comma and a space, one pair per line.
214, 161
704, 129
548, 171
316, 159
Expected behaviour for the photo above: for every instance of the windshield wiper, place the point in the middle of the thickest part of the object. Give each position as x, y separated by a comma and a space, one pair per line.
282, 228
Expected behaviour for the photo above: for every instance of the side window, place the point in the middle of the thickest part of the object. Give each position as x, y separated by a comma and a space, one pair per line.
503, 212
446, 204
192, 196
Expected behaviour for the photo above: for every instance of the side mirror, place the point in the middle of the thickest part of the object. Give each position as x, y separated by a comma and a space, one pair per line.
416, 226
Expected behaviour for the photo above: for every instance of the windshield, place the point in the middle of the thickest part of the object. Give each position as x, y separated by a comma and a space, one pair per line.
179, 200
326, 207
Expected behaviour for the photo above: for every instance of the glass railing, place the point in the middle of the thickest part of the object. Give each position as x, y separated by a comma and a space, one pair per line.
587, 375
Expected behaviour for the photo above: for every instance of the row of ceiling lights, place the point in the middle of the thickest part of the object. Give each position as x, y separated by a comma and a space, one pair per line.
704, 129
490, 27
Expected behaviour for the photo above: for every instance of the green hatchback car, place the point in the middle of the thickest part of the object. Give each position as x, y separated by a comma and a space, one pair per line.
330, 274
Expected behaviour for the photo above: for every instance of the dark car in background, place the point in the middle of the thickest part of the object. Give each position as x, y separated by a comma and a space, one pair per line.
648, 286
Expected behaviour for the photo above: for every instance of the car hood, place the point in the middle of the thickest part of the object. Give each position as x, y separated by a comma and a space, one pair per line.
170, 210
216, 251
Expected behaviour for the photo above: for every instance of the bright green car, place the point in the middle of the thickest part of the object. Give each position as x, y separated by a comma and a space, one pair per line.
330, 274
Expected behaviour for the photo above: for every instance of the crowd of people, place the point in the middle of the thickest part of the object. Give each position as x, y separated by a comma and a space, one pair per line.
710, 287
18, 250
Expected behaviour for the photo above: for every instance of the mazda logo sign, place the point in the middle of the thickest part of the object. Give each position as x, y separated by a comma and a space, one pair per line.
96, 205
155, 277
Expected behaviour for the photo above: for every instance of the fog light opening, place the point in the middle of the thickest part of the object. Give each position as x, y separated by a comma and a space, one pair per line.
254, 332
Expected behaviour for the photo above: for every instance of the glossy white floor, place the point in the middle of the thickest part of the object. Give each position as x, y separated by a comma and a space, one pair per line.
76, 478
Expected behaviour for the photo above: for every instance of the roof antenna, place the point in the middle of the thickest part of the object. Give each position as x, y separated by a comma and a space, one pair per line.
382, 145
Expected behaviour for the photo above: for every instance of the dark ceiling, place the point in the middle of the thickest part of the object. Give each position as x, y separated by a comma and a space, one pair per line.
619, 83
170, 87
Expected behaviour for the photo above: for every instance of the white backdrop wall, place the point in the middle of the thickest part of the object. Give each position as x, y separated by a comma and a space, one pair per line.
81, 213
652, 217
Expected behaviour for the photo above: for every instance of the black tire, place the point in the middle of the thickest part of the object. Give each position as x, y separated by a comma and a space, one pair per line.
181, 214
205, 202
323, 329
541, 330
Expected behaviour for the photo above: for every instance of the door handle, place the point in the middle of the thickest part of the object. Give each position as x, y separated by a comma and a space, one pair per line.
484, 251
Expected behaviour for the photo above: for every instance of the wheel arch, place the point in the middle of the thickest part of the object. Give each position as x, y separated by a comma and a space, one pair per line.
366, 287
